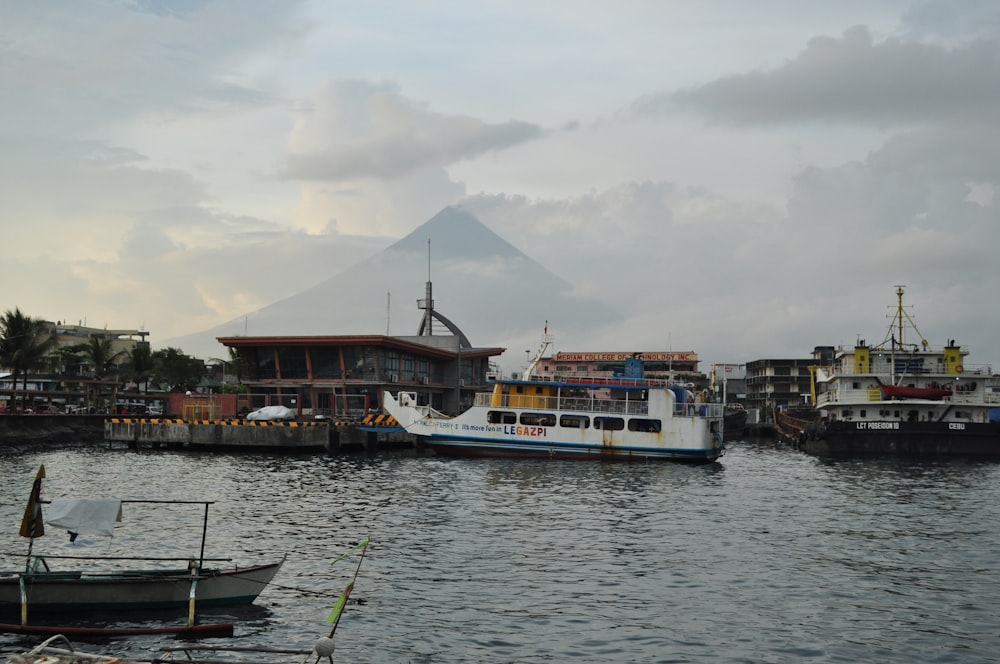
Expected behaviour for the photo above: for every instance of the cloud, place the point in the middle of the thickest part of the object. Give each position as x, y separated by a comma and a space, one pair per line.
853, 79
356, 130
112, 65
371, 161
178, 164
953, 20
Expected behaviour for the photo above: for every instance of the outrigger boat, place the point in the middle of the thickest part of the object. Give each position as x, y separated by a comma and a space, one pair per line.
574, 417
59, 649
38, 590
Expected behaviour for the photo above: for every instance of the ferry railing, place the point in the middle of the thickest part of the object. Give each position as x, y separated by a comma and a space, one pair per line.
849, 395
593, 405
572, 404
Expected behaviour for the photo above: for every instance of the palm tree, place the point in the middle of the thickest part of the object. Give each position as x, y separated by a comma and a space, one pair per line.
24, 344
66, 361
140, 366
101, 358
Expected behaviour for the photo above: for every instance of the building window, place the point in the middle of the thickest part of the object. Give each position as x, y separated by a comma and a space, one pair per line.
354, 362
266, 368
292, 360
325, 362
392, 362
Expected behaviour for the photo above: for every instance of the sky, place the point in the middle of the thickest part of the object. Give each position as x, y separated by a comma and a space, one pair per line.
746, 180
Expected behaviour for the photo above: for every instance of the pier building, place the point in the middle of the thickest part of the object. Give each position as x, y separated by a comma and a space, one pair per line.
343, 377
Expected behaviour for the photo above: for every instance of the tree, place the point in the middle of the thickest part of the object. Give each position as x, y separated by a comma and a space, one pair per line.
177, 370
103, 361
66, 361
24, 344
100, 356
141, 366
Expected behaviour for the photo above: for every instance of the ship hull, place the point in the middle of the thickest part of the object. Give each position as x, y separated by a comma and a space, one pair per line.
527, 449
906, 439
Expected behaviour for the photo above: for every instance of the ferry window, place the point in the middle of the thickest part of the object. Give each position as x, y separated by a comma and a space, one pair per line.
609, 423
642, 424
538, 419
574, 421
864, 413
501, 417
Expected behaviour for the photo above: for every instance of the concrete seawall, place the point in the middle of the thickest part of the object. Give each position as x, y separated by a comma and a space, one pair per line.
242, 435
230, 434
18, 429
219, 434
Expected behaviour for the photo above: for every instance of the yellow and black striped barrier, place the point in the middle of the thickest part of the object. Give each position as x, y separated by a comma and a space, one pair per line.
380, 420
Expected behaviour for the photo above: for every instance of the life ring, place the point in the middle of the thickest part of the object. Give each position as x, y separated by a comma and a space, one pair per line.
959, 368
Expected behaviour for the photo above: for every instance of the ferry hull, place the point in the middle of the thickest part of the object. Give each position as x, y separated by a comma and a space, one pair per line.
907, 439
564, 450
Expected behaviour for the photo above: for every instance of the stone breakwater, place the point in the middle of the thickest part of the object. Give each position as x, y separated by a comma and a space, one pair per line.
19, 429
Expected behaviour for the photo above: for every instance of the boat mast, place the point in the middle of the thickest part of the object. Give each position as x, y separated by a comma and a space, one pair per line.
899, 313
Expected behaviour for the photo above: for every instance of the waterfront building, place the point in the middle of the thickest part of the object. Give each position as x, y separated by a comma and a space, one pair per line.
680, 366
783, 383
344, 376
122, 341
728, 382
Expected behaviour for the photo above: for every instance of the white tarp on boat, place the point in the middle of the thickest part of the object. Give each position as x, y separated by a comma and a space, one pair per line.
93, 516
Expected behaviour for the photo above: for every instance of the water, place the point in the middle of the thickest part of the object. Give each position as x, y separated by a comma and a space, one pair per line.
766, 556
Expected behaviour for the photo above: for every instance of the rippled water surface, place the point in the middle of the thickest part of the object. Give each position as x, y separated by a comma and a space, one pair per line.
766, 556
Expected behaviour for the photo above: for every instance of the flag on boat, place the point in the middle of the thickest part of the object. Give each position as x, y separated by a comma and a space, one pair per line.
360, 545
338, 608
91, 516
31, 523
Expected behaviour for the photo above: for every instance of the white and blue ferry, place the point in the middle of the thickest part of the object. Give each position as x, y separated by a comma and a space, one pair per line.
617, 418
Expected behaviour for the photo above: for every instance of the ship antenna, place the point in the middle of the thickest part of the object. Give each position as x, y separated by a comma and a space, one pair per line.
897, 321
546, 342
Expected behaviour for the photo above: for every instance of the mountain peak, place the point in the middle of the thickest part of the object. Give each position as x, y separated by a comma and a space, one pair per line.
479, 278
453, 232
